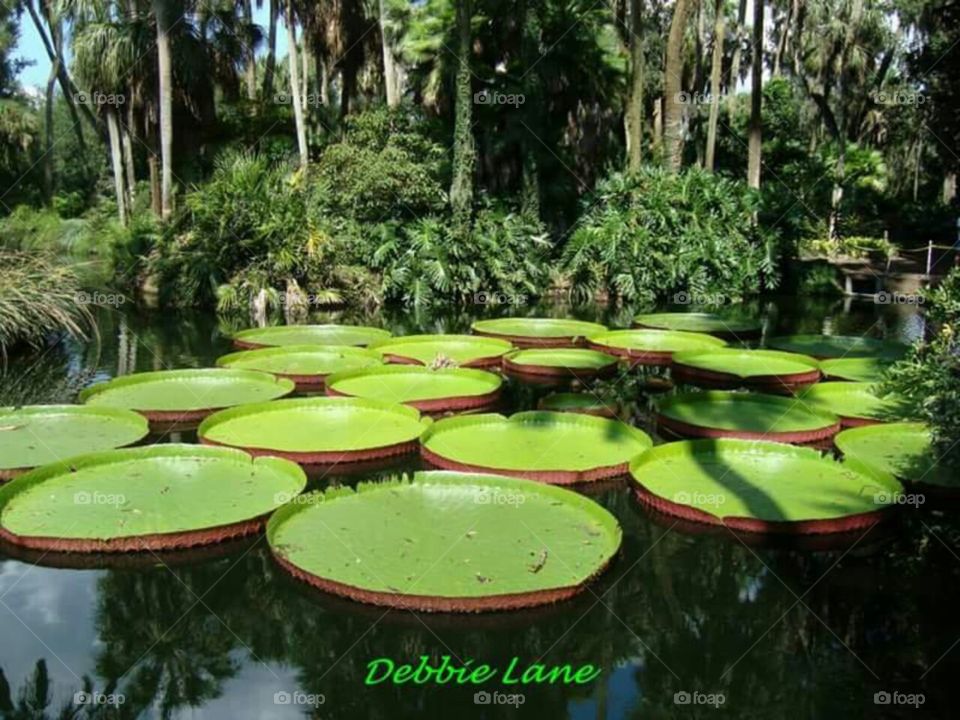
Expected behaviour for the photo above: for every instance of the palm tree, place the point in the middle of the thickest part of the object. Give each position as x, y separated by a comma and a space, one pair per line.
716, 72
295, 99
672, 87
737, 52
166, 13
270, 64
464, 147
391, 78
634, 113
755, 138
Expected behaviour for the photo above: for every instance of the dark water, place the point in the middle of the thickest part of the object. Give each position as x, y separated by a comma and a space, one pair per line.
778, 632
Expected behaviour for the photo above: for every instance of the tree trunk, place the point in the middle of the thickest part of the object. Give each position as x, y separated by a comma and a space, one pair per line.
294, 64
251, 69
530, 172
735, 60
323, 76
634, 112
116, 158
129, 167
390, 76
271, 63
464, 146
48, 180
836, 196
716, 77
672, 81
165, 67
755, 139
949, 187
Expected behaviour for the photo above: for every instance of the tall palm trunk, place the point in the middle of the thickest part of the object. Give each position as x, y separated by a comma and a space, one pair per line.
755, 138
116, 159
250, 72
48, 180
294, 63
127, 134
165, 67
672, 81
634, 113
464, 146
737, 52
390, 77
269, 67
836, 197
716, 72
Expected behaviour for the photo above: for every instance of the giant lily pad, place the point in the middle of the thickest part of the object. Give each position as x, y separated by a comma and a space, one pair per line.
435, 391
184, 397
41, 434
551, 365
151, 498
651, 347
835, 346
855, 403
765, 370
585, 402
305, 365
317, 430
470, 351
538, 332
283, 335
762, 487
856, 369
700, 322
553, 447
753, 416
446, 541
901, 449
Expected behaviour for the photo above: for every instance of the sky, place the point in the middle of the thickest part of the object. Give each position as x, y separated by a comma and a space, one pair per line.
30, 47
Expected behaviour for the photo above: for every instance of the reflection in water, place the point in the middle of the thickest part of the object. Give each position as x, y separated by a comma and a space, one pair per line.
780, 632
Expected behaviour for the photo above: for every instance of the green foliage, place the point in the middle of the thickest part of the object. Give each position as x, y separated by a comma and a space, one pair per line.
929, 377
856, 246
504, 259
648, 236
385, 167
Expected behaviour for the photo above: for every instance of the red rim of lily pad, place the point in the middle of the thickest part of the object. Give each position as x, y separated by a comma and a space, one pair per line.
495, 346
648, 356
567, 333
256, 338
542, 372
305, 382
684, 369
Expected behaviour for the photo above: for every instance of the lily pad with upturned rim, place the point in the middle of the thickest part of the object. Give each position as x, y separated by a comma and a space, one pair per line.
855, 403
651, 347
160, 497
538, 332
427, 390
764, 370
700, 322
283, 335
552, 364
904, 450
746, 415
554, 447
443, 541
837, 346
855, 369
317, 430
471, 351
305, 365
185, 396
762, 487
35, 435
585, 402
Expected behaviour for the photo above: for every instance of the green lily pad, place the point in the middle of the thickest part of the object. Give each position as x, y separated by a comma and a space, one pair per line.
584, 402
748, 364
856, 369
175, 391
654, 347
901, 449
762, 486
139, 498
728, 414
446, 541
574, 360
463, 350
854, 401
283, 335
40, 434
316, 429
538, 331
835, 346
422, 387
698, 322
302, 362
550, 446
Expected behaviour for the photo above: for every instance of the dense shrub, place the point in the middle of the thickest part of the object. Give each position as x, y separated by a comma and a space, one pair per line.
648, 236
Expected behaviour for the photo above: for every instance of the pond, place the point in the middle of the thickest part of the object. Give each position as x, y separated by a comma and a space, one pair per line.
730, 628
